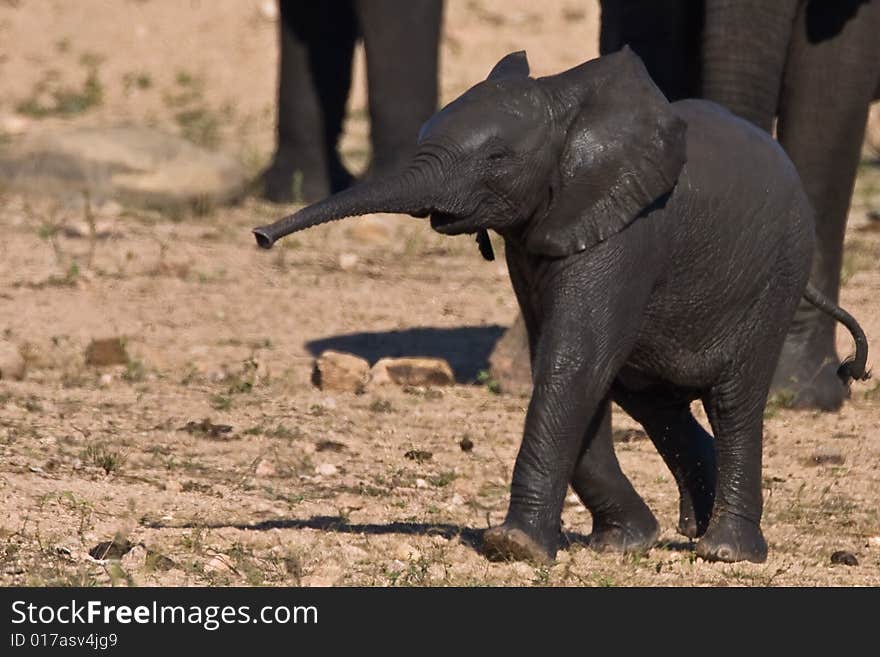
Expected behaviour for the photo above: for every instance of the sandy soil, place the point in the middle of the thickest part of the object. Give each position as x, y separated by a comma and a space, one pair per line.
309, 487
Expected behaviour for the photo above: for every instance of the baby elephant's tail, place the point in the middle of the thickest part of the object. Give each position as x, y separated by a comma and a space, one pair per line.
854, 366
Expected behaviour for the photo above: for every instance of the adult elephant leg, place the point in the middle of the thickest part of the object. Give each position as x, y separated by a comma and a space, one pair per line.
743, 55
664, 33
830, 79
686, 448
402, 47
316, 48
622, 522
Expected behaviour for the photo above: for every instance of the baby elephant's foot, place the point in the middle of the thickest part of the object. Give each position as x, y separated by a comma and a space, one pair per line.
634, 535
507, 543
733, 538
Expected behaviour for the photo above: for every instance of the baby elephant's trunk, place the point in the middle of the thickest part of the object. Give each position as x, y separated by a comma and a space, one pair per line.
854, 366
407, 192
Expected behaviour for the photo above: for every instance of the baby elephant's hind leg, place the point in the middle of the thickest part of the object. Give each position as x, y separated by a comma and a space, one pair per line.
622, 522
736, 412
686, 448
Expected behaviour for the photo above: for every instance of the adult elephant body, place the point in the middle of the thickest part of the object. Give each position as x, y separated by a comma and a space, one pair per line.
317, 42
813, 66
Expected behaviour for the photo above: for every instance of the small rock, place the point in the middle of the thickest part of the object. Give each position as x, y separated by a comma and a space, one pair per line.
106, 379
329, 446
220, 563
334, 370
158, 561
135, 558
628, 435
412, 372
348, 261
874, 541
457, 500
265, 469
106, 351
421, 483
207, 429
12, 364
844, 558
466, 444
326, 469
115, 549
418, 455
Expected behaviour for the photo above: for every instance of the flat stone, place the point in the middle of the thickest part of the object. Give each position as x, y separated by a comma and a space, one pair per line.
335, 370
136, 166
412, 372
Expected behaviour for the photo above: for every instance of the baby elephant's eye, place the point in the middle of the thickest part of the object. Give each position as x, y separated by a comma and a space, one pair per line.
497, 154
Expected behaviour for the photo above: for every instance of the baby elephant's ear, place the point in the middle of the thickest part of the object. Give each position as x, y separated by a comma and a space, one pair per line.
623, 152
514, 65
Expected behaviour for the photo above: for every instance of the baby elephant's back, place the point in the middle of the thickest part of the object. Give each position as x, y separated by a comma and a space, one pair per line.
742, 183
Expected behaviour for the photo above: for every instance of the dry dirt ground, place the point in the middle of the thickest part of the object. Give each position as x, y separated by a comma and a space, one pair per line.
307, 487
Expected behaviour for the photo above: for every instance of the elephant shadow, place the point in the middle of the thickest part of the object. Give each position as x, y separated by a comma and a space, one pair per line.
468, 536
465, 348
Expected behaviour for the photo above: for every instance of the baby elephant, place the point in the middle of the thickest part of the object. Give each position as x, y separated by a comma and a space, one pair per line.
658, 252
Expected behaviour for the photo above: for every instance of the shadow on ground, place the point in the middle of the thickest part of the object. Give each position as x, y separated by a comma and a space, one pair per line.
469, 536
465, 348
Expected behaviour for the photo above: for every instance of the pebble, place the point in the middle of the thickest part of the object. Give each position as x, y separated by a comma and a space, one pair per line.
845, 558
220, 563
326, 469
348, 261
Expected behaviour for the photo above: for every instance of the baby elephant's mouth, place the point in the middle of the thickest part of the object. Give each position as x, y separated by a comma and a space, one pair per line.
448, 224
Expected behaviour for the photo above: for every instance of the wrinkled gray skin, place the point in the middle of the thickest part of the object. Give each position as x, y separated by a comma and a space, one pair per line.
814, 66
658, 252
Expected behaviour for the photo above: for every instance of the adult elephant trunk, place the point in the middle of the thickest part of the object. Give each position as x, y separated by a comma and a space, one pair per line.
745, 44
406, 192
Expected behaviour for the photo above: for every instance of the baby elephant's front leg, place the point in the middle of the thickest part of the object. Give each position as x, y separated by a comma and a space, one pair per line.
585, 331
573, 368
557, 418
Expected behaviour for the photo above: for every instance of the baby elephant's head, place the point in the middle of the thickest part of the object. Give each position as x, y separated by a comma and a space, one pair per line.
563, 161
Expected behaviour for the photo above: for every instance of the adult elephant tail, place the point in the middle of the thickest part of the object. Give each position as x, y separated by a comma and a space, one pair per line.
852, 367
